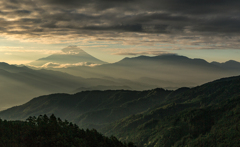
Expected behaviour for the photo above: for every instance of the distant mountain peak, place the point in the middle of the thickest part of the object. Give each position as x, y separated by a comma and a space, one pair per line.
70, 56
231, 61
227, 62
158, 57
200, 60
230, 64
73, 50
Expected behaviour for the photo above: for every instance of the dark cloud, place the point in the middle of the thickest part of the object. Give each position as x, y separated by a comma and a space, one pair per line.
22, 12
219, 25
128, 28
186, 19
97, 4
30, 20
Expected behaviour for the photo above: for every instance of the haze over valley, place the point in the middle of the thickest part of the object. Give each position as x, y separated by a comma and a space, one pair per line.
167, 70
74, 70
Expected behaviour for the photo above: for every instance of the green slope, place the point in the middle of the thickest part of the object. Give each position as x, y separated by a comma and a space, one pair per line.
206, 115
89, 108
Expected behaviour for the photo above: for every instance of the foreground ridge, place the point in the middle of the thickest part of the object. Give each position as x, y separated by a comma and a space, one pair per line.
45, 131
206, 115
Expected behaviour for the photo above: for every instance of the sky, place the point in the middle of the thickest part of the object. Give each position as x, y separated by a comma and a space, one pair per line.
113, 29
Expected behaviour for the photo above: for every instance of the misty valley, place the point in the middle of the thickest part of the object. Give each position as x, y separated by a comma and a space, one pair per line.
75, 99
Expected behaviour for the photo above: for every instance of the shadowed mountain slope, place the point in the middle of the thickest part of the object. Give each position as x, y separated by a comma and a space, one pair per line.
231, 65
89, 108
206, 114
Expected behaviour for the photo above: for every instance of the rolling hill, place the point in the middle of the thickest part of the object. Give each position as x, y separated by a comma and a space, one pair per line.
20, 84
89, 108
207, 114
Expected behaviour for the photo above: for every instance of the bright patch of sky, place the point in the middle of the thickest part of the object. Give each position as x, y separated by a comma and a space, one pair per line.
112, 30
17, 52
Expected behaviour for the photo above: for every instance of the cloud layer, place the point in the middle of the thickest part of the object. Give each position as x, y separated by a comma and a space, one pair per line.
59, 65
208, 24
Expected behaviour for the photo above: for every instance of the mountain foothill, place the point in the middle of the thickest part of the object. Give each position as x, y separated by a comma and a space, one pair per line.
205, 115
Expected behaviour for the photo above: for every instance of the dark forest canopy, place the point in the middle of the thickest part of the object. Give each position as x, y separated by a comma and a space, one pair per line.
45, 131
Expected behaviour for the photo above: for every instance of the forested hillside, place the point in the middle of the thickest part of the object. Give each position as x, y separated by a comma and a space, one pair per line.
45, 131
89, 109
206, 115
